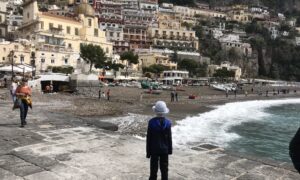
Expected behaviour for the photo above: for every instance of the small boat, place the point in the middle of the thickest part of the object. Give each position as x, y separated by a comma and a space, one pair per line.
224, 87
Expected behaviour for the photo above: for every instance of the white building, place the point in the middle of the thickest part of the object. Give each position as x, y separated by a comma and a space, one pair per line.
174, 77
233, 41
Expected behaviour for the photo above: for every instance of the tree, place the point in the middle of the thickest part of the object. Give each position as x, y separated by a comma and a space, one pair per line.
114, 66
93, 54
187, 25
189, 65
224, 73
155, 68
130, 57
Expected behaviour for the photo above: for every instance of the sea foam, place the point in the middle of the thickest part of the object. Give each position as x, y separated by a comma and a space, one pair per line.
214, 126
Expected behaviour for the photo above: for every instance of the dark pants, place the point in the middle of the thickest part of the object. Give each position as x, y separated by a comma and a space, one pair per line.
163, 164
23, 112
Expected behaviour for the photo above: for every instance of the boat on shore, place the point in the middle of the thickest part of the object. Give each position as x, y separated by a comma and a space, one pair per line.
224, 87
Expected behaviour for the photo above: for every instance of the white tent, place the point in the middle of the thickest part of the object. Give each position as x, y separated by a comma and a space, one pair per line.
54, 77
17, 68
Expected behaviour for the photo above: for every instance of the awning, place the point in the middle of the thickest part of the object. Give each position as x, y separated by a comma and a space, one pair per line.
17, 68
54, 77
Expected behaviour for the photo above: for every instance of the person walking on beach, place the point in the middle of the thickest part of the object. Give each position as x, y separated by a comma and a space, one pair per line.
159, 141
23, 93
235, 91
295, 150
99, 94
108, 94
13, 88
176, 96
226, 93
172, 96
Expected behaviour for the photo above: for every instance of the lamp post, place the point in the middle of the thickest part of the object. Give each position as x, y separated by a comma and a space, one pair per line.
32, 63
11, 55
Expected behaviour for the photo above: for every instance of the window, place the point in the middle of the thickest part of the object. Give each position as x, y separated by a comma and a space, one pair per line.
66, 61
50, 25
60, 26
90, 22
111, 34
68, 30
42, 24
96, 32
107, 50
52, 61
0, 18
0, 31
3, 58
69, 45
43, 60
118, 34
76, 32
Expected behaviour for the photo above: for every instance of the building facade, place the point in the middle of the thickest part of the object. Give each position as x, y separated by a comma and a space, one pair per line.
57, 38
148, 59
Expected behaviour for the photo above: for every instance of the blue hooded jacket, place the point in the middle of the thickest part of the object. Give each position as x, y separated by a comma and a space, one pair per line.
159, 137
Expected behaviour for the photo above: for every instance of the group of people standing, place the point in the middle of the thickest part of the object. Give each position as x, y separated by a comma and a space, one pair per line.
102, 94
21, 95
174, 96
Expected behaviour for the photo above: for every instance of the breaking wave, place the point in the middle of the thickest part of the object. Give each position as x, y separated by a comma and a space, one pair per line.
214, 126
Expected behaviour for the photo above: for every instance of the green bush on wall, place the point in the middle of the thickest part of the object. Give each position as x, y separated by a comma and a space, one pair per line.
64, 70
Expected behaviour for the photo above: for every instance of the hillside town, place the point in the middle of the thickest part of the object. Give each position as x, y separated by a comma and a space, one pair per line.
90, 89
142, 39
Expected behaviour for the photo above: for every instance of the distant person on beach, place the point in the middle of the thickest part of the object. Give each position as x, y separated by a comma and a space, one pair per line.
226, 93
295, 150
13, 88
172, 96
99, 94
159, 141
51, 88
176, 96
235, 91
108, 94
5, 82
103, 95
23, 93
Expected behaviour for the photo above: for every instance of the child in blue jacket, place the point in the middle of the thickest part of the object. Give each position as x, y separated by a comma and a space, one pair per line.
159, 141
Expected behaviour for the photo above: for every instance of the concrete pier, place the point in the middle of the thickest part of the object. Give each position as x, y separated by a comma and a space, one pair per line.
56, 146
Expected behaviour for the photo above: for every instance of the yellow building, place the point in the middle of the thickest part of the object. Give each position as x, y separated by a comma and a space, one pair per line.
169, 33
21, 53
240, 13
57, 38
148, 59
192, 12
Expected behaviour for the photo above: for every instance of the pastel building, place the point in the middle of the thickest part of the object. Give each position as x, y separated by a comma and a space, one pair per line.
169, 34
57, 38
148, 59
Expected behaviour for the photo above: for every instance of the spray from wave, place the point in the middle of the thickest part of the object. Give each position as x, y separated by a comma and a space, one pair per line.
214, 127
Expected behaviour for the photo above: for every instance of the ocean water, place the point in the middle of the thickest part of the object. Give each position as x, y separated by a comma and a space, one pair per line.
259, 128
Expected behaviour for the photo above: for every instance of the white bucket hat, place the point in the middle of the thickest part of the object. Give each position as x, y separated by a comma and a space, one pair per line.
160, 108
